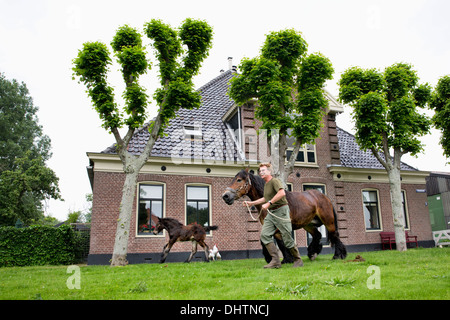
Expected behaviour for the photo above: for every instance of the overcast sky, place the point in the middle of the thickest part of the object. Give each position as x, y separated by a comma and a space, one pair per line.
39, 40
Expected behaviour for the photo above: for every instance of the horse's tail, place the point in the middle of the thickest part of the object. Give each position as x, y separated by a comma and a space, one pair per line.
208, 228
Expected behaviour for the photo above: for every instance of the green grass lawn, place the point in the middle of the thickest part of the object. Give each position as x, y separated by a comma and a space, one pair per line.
415, 274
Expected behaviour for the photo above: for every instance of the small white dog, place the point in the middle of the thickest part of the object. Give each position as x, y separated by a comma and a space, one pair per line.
214, 253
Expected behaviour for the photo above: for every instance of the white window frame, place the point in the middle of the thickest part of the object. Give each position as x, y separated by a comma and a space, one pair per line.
138, 199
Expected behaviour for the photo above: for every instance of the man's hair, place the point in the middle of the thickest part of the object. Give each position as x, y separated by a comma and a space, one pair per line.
267, 165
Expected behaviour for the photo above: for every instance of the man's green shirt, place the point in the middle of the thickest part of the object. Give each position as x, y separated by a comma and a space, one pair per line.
271, 188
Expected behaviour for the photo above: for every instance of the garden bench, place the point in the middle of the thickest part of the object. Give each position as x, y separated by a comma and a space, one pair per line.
441, 238
388, 238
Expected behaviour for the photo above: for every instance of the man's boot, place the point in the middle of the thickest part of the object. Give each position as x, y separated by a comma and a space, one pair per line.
297, 259
275, 262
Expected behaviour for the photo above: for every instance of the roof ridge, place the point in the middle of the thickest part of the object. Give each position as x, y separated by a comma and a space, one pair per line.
216, 79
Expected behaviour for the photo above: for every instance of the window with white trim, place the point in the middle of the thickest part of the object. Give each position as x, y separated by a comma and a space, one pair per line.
371, 210
198, 205
306, 154
151, 205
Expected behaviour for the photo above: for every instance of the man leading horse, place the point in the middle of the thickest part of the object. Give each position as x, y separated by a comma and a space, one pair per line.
274, 200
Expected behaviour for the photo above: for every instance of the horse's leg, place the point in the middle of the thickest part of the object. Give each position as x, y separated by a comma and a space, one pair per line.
206, 248
340, 252
166, 251
329, 220
315, 247
193, 252
287, 256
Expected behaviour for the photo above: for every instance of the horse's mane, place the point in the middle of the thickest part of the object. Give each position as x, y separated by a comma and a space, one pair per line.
170, 221
258, 183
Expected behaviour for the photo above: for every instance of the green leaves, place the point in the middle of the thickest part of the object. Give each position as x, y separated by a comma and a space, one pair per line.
440, 102
370, 120
197, 36
131, 55
314, 71
400, 80
286, 47
385, 106
37, 245
356, 82
23, 189
287, 84
176, 71
91, 64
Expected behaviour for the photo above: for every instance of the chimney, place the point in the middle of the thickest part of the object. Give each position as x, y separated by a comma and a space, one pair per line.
230, 63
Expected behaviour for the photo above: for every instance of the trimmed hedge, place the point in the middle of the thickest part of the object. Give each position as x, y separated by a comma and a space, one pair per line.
37, 245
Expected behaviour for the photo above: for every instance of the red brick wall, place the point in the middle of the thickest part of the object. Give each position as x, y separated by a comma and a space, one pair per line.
352, 228
233, 221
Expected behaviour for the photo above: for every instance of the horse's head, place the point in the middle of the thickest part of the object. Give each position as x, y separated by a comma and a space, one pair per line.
239, 187
159, 226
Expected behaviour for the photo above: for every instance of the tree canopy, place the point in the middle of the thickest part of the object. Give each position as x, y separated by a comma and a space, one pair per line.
288, 85
386, 107
25, 180
440, 103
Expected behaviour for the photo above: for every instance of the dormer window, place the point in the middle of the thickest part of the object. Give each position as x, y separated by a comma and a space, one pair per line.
306, 154
193, 132
233, 122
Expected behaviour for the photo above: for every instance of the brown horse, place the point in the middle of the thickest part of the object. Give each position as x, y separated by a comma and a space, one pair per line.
308, 210
178, 232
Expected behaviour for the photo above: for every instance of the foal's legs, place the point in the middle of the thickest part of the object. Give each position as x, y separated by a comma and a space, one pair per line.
193, 252
206, 248
166, 251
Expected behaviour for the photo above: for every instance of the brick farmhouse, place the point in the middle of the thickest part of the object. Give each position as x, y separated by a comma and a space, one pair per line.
202, 151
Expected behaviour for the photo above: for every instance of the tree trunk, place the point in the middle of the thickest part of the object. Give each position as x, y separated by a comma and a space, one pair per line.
392, 166
397, 208
119, 257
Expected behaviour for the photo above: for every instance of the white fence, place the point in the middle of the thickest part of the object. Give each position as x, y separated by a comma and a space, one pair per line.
441, 238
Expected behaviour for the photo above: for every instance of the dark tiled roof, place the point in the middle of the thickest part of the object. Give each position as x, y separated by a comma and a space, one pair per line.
353, 157
216, 143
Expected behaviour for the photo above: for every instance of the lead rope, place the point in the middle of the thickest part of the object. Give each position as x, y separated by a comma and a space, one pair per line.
249, 211
273, 215
270, 212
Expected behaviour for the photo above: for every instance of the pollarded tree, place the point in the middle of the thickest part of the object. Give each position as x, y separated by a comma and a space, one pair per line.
177, 66
288, 86
440, 103
385, 111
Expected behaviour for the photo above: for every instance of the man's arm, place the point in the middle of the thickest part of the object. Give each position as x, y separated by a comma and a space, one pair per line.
254, 203
280, 194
